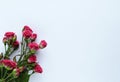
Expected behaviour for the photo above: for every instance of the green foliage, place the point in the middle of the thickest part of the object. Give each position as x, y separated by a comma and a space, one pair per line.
24, 77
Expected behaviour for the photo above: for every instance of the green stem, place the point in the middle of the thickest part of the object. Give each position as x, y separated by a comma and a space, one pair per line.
11, 52
24, 49
8, 51
5, 73
1, 71
22, 46
5, 47
21, 50
2, 80
8, 76
10, 79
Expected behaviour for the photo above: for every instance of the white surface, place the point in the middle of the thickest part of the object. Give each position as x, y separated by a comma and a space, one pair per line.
83, 37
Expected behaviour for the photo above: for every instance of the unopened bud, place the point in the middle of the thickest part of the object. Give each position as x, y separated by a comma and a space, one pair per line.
5, 40
14, 38
43, 44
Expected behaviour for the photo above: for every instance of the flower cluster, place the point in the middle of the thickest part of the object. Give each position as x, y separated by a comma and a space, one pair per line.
17, 69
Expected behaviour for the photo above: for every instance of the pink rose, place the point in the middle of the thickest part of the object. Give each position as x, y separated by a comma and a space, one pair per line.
5, 40
43, 44
27, 28
27, 34
21, 68
16, 44
38, 68
32, 59
33, 46
9, 34
9, 64
16, 72
33, 37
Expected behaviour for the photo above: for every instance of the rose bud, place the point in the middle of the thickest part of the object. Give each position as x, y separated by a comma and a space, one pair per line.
16, 72
15, 44
33, 47
33, 37
38, 68
8, 64
5, 40
32, 59
14, 38
9, 35
43, 44
21, 68
27, 34
27, 28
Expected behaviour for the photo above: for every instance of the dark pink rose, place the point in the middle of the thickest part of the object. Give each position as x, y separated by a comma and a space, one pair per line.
16, 44
38, 68
5, 40
32, 59
27, 28
27, 34
43, 44
16, 72
33, 37
9, 64
33, 46
9, 34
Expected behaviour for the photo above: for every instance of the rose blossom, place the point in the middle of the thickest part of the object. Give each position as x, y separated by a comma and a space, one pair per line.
27, 34
5, 40
33, 37
21, 68
16, 72
9, 34
27, 28
9, 64
32, 59
38, 68
43, 44
16, 44
33, 46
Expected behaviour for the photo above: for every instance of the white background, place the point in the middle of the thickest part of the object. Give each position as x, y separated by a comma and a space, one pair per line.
83, 37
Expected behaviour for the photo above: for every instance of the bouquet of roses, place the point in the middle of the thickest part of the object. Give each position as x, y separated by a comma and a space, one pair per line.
20, 67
